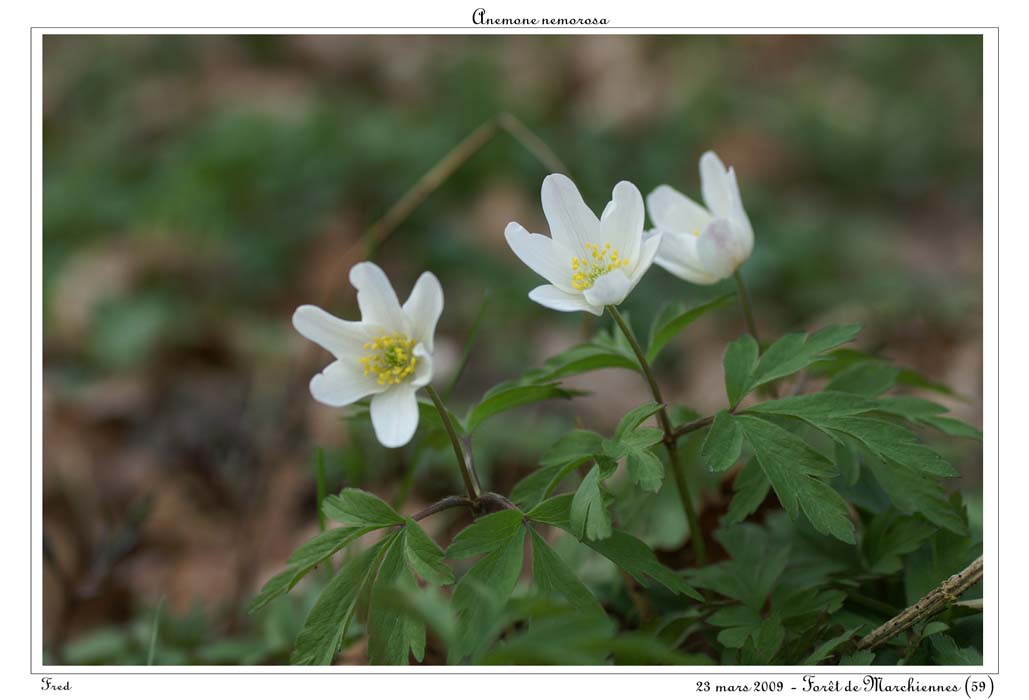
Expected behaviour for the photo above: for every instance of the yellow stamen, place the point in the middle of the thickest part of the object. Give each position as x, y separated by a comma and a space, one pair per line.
585, 271
394, 361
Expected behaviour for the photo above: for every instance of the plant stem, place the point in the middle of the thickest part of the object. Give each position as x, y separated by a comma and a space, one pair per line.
696, 537
471, 481
748, 313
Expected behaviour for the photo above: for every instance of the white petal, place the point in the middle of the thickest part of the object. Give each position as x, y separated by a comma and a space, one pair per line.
609, 290
572, 224
671, 210
621, 224
720, 249
678, 255
379, 304
738, 216
423, 308
341, 338
343, 382
395, 415
553, 298
545, 256
715, 185
423, 369
648, 251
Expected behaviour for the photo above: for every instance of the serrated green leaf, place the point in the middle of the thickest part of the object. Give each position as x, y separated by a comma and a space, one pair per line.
824, 404
392, 637
361, 509
588, 515
858, 658
636, 559
327, 622
739, 362
632, 420
512, 397
750, 488
553, 511
424, 556
947, 653
953, 427
572, 447
278, 584
890, 535
534, 487
889, 441
581, 359
791, 466
672, 319
795, 351
486, 534
827, 647
914, 492
552, 575
645, 469
723, 443
869, 378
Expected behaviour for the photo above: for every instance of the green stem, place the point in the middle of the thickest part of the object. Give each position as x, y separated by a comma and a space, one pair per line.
696, 537
471, 481
748, 313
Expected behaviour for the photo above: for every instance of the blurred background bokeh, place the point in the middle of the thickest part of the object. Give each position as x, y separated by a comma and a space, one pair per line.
198, 189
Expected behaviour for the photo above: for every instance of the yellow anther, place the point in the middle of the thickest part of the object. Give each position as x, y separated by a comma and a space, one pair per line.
395, 360
586, 271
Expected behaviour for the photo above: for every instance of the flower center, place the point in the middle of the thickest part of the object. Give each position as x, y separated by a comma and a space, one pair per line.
393, 360
598, 261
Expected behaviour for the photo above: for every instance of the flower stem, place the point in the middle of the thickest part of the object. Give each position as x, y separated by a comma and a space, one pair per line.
696, 537
471, 481
748, 313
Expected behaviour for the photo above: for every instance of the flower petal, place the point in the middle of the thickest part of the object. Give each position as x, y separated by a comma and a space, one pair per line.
738, 216
545, 256
671, 210
342, 338
343, 382
648, 251
678, 255
609, 290
621, 224
715, 185
423, 308
377, 300
553, 298
720, 249
572, 224
395, 415
423, 370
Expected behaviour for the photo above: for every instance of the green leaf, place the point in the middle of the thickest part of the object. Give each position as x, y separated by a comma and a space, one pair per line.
947, 653
552, 575
535, 486
305, 558
750, 488
575, 446
632, 420
589, 517
391, 637
739, 362
645, 469
953, 427
824, 404
754, 566
360, 508
791, 467
869, 378
795, 351
581, 359
424, 556
486, 534
914, 492
553, 511
636, 559
890, 535
858, 658
723, 443
327, 622
509, 397
672, 319
826, 648
890, 442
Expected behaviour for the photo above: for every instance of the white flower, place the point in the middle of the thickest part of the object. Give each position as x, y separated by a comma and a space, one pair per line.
386, 355
697, 244
589, 263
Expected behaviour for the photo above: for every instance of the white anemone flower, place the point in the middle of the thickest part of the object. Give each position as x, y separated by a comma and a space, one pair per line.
698, 244
590, 263
386, 355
